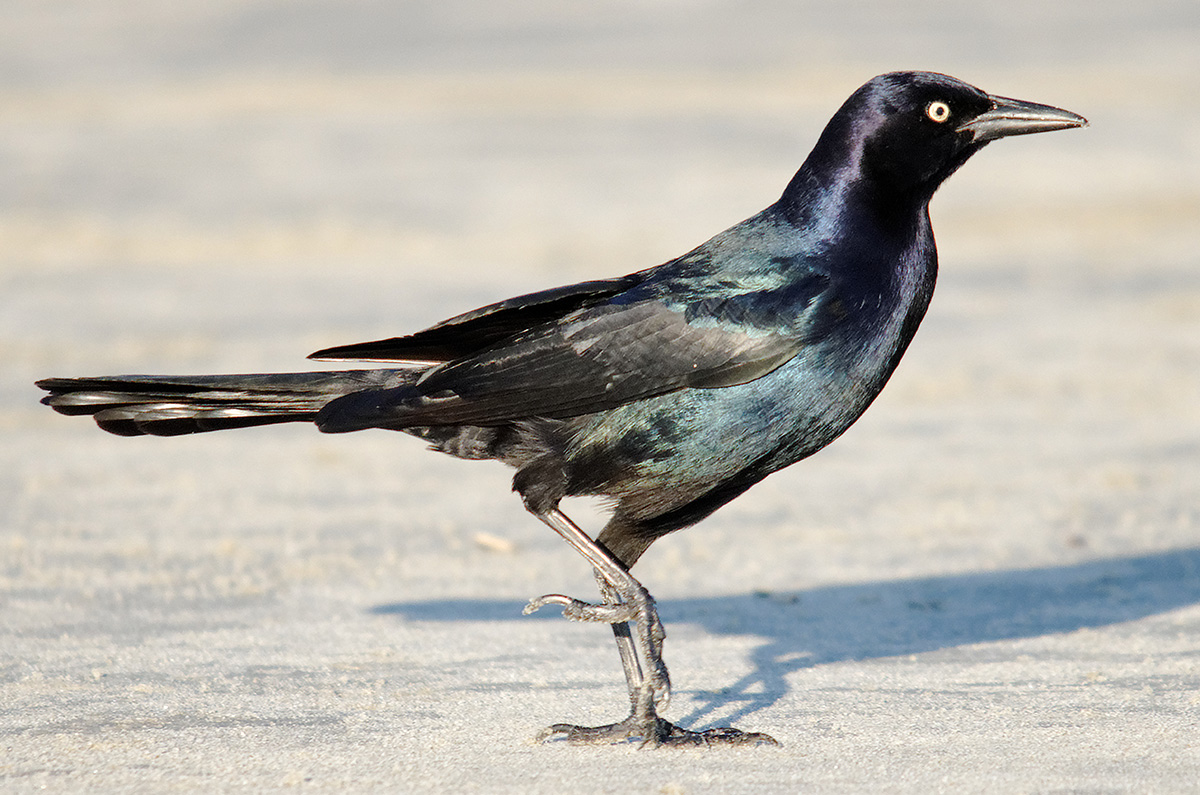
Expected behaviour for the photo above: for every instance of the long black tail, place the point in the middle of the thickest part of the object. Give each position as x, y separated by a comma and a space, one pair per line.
164, 405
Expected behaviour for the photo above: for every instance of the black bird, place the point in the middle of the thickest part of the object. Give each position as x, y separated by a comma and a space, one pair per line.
669, 391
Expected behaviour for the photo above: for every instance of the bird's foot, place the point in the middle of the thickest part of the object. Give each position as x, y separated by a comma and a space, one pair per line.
577, 610
637, 609
654, 733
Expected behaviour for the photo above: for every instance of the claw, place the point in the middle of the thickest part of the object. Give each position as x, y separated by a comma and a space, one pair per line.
577, 610
541, 601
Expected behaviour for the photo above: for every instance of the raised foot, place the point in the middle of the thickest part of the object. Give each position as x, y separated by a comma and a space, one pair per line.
638, 610
664, 733
577, 610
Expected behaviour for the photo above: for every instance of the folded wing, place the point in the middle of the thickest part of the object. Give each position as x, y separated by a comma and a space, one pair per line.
591, 360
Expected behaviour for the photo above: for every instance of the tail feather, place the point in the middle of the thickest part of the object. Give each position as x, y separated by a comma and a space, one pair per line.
137, 405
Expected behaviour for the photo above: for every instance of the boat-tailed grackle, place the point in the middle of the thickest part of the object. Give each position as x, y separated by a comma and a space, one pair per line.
669, 391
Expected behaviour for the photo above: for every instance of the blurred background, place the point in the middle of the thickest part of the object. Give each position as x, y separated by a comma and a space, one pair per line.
229, 185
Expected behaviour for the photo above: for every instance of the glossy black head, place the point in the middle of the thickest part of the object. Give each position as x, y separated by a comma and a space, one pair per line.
902, 134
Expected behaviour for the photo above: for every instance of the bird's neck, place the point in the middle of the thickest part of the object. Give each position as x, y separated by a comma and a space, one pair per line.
878, 246
830, 201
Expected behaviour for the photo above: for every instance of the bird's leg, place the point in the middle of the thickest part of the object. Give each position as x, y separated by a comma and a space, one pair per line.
635, 678
629, 662
627, 602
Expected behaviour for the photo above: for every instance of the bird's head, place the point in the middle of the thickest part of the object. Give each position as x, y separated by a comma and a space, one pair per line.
906, 132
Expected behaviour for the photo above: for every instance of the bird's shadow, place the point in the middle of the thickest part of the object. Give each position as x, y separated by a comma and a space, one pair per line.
838, 623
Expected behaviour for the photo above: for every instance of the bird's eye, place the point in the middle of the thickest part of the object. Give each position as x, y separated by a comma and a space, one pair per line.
937, 111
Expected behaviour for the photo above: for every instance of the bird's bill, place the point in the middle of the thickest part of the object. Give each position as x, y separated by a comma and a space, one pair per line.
1017, 117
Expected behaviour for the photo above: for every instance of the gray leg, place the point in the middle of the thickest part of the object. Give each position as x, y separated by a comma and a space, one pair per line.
630, 609
634, 605
634, 679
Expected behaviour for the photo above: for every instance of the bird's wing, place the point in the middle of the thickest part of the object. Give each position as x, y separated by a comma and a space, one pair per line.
591, 360
481, 328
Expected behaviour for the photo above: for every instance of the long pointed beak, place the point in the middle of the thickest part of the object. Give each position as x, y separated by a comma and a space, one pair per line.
1016, 117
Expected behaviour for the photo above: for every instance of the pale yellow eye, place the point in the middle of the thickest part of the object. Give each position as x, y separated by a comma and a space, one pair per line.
937, 111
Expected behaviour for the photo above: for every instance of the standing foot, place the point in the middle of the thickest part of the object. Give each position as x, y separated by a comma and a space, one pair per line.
661, 733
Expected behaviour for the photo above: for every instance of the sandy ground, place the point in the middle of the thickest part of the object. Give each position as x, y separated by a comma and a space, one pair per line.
990, 584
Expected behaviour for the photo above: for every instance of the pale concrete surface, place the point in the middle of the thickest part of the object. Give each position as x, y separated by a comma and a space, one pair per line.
991, 584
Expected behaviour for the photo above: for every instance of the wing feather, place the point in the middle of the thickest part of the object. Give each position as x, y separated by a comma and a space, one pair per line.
593, 360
